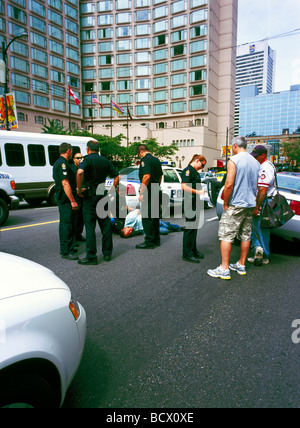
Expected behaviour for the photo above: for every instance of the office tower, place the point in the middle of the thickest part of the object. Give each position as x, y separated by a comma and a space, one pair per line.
171, 62
269, 114
255, 65
42, 65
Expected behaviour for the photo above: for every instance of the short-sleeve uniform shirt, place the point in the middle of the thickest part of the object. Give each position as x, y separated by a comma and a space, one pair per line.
97, 168
63, 171
152, 166
192, 177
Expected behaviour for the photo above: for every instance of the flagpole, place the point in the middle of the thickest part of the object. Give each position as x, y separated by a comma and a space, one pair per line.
127, 126
111, 117
69, 112
92, 114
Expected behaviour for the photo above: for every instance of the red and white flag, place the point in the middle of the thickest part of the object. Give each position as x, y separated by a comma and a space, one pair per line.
96, 101
71, 94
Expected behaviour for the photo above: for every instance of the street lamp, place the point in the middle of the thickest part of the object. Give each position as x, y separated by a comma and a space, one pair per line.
227, 135
6, 76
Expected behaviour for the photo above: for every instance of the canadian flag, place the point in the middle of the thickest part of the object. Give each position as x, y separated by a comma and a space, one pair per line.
71, 94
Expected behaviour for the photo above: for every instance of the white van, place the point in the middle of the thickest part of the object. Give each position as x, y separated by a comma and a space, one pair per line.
30, 157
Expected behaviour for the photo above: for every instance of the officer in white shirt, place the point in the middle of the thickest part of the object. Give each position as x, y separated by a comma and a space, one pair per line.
260, 240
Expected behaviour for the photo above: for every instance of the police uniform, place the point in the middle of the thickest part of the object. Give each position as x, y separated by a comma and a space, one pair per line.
62, 171
78, 220
191, 177
96, 169
152, 166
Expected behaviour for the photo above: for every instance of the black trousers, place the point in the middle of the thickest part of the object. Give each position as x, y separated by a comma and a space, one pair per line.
189, 241
66, 227
150, 221
90, 220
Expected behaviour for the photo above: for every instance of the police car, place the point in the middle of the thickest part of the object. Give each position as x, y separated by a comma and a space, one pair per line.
170, 185
8, 200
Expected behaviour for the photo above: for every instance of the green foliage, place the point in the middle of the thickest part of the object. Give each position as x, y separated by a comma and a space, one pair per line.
292, 150
120, 155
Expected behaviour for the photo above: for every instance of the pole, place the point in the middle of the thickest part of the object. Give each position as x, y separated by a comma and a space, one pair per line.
111, 117
227, 147
127, 126
92, 114
4, 55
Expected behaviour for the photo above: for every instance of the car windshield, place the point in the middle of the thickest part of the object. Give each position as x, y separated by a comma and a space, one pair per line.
130, 173
288, 182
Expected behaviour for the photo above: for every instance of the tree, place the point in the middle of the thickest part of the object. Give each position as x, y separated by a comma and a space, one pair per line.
292, 150
53, 128
161, 152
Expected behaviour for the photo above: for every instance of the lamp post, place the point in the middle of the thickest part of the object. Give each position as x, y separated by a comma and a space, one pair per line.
227, 136
6, 76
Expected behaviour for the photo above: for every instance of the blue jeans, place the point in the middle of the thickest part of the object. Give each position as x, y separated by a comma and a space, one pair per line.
260, 237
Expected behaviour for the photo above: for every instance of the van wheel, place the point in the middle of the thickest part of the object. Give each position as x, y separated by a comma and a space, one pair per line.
52, 198
4, 211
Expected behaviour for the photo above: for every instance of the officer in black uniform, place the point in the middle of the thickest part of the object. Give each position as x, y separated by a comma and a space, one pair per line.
150, 195
77, 159
65, 185
94, 170
191, 182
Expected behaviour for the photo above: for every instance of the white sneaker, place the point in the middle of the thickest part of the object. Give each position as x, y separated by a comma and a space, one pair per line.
237, 267
219, 272
259, 256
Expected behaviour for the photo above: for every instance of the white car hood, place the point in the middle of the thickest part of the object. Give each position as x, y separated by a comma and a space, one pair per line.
21, 276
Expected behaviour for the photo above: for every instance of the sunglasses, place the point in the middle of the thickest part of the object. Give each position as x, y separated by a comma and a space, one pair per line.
79, 158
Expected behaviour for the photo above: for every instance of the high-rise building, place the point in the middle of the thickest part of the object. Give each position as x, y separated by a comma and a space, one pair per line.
269, 114
255, 65
171, 62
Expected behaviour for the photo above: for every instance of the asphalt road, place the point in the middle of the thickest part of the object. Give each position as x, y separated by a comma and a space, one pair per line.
162, 334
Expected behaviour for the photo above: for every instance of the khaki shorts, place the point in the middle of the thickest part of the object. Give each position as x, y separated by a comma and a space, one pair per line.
236, 222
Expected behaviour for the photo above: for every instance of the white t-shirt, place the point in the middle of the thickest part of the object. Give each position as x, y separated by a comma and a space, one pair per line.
266, 177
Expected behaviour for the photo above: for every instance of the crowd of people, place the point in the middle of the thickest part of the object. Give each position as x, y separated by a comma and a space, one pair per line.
80, 191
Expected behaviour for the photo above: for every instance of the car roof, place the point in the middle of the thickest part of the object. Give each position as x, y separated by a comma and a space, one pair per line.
291, 174
21, 276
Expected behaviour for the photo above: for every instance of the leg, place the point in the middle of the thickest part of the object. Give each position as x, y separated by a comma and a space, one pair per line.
107, 240
245, 247
89, 216
225, 253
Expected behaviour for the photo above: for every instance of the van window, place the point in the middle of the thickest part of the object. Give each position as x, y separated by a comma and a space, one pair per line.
36, 154
14, 154
53, 152
0, 158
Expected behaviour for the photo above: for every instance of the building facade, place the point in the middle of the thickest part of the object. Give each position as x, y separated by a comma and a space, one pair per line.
255, 65
171, 63
269, 114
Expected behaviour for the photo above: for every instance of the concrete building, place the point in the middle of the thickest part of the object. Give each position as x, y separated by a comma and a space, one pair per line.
171, 62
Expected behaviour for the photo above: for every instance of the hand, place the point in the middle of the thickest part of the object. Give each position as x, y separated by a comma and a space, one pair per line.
141, 198
256, 212
201, 192
80, 193
226, 206
75, 206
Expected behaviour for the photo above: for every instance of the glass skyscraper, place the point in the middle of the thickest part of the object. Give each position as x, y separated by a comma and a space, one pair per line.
269, 114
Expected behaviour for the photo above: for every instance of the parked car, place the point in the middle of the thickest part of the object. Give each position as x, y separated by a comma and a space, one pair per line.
42, 335
288, 186
220, 175
170, 185
8, 199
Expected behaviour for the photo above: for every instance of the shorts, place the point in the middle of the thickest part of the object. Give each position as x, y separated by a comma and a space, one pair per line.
236, 222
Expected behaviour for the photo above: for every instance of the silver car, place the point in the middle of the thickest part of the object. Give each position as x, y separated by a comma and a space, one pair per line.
288, 186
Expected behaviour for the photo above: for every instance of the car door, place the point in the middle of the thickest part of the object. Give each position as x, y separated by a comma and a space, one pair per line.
171, 185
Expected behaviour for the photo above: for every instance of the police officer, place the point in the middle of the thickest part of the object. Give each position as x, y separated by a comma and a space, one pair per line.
150, 177
94, 170
191, 184
77, 159
65, 182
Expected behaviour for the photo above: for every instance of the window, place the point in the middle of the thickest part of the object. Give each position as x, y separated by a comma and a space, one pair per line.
54, 155
14, 154
199, 15
170, 176
36, 154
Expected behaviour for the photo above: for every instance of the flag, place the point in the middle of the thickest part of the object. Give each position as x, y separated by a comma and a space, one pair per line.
71, 94
129, 114
96, 101
117, 108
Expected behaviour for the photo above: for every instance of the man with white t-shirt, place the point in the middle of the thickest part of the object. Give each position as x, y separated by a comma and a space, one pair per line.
260, 239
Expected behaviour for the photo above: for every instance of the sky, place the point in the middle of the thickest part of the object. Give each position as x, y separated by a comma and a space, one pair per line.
261, 19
